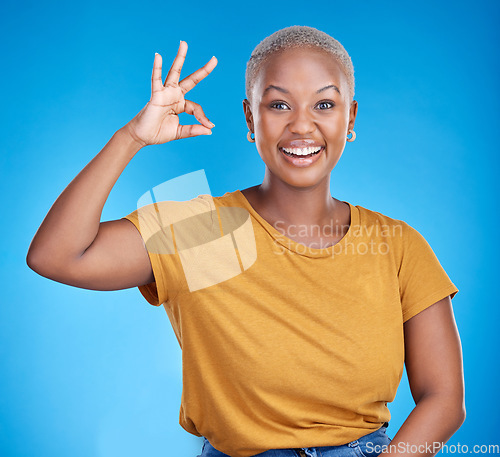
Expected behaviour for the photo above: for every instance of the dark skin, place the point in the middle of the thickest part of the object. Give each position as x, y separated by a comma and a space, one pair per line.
301, 196
285, 107
72, 246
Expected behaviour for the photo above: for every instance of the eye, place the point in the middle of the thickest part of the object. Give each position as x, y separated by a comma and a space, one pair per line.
279, 106
325, 105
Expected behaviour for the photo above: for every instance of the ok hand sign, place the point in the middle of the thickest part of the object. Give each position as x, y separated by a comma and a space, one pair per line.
158, 121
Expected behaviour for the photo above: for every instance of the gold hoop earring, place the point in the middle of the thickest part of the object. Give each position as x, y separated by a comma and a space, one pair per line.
249, 137
353, 137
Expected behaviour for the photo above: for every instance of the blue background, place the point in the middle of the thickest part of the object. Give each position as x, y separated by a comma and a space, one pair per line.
88, 373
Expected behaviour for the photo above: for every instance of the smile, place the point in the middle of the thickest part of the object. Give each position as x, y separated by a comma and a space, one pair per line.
302, 152
302, 157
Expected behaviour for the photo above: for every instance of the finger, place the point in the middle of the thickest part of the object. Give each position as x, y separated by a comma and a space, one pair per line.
175, 70
156, 76
187, 131
197, 111
194, 78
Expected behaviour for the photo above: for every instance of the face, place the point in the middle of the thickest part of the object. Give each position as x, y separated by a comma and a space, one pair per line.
300, 105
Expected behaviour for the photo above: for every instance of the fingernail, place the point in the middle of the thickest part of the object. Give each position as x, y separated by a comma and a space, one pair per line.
213, 125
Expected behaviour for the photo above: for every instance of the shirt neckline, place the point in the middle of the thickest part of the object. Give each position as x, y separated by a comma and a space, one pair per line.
300, 248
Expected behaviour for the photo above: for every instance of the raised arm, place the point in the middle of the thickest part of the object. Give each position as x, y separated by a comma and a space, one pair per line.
71, 245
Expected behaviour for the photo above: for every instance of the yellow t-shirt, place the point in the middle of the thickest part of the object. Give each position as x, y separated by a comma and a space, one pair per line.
284, 345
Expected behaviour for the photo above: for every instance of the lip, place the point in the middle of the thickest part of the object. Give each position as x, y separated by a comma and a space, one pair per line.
305, 162
303, 143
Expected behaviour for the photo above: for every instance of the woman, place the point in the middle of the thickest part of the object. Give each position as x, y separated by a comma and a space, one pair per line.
295, 311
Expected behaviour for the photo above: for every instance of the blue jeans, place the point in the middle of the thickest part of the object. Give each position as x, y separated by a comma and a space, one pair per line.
370, 445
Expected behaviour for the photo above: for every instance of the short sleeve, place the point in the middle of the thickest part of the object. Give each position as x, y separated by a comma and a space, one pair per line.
157, 238
422, 279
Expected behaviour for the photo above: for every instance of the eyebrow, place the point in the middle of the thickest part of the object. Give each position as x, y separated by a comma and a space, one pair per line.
281, 89
332, 86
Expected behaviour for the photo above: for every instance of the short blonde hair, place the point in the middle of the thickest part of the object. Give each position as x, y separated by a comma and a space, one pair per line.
297, 36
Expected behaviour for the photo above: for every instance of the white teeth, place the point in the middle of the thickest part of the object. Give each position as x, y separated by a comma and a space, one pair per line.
302, 151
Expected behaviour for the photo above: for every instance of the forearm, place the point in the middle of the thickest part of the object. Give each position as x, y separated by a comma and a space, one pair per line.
434, 419
72, 222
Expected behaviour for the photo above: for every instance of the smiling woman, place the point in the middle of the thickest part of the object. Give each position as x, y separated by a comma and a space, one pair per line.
297, 104
293, 341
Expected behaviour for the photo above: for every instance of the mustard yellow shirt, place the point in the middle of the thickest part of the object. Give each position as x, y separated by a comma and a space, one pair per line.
284, 345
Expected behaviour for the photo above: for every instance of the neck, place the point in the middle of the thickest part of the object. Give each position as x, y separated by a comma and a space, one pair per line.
299, 206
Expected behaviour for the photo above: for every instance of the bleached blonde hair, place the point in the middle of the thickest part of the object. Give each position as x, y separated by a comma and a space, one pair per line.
297, 36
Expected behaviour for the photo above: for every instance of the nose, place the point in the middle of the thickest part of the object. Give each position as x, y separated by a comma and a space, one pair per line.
302, 122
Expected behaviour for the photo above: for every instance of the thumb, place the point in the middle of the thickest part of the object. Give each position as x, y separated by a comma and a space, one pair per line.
187, 131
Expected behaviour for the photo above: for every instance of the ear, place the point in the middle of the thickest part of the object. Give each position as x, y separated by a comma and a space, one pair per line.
248, 114
352, 114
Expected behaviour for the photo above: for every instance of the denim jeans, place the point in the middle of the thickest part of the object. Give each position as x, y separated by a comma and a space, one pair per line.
370, 445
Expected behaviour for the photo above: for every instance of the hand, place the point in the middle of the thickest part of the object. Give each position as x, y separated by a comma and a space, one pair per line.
158, 121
